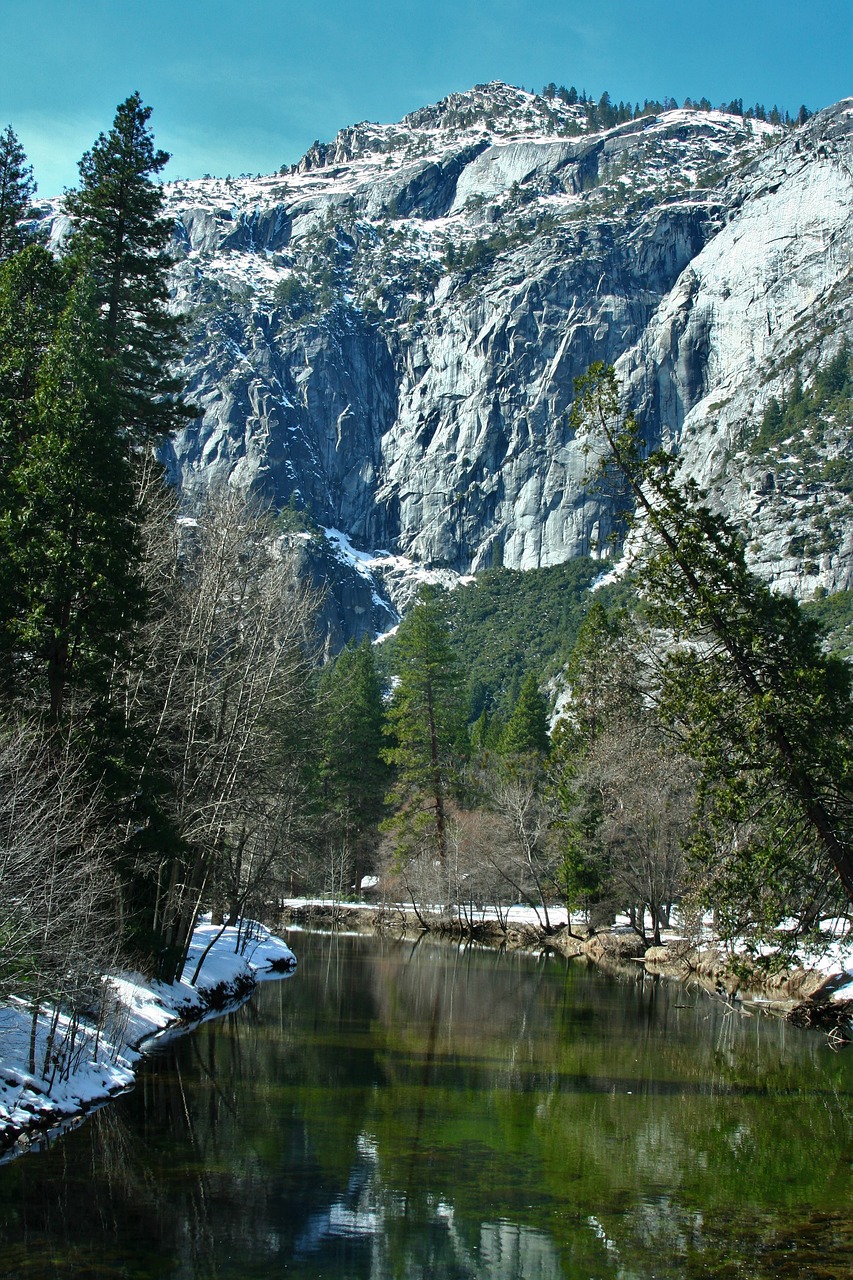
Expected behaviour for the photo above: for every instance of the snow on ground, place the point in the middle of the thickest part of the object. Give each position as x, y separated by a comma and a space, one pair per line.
79, 1071
368, 563
835, 961
833, 958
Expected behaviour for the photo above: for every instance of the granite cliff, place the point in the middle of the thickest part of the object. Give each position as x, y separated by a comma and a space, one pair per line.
384, 337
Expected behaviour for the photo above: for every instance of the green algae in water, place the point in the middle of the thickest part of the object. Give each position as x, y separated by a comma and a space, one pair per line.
422, 1111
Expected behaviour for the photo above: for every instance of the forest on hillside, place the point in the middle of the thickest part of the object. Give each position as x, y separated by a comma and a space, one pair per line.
170, 741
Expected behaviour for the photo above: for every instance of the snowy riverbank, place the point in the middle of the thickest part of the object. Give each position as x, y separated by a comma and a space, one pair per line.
815, 989
77, 1071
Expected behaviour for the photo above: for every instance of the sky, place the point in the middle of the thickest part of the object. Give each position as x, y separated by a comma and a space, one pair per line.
246, 86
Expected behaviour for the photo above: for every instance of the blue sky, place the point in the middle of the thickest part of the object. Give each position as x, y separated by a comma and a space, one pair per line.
247, 86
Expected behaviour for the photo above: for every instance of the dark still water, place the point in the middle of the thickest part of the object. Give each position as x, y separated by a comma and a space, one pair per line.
399, 1111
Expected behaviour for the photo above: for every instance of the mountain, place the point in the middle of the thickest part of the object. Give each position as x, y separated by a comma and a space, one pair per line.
384, 337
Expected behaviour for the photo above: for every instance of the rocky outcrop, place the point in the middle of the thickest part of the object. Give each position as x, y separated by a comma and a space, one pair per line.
770, 295
387, 335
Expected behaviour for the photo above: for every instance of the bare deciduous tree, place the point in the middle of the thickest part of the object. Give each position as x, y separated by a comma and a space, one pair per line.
58, 897
524, 854
648, 796
222, 684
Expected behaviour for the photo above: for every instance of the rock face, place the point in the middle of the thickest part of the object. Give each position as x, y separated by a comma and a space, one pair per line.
386, 335
769, 296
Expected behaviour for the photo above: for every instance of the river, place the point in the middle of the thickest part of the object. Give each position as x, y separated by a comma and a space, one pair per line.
396, 1111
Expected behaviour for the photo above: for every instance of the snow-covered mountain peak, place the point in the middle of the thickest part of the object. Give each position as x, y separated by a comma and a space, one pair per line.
498, 109
491, 111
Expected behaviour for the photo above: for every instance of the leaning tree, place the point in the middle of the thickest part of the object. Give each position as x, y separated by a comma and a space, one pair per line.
745, 682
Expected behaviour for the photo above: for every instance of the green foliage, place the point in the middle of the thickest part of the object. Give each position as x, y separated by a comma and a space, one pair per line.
294, 296
509, 623
479, 255
16, 191
68, 522
486, 734
602, 675
766, 713
84, 345
33, 292
583, 856
354, 776
604, 687
75, 515
526, 731
121, 240
829, 395
425, 726
834, 615
295, 518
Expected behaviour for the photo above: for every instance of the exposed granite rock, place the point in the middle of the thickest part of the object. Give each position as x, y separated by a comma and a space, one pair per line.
769, 295
389, 332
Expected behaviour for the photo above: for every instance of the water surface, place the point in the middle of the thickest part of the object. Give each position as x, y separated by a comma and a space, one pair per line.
423, 1111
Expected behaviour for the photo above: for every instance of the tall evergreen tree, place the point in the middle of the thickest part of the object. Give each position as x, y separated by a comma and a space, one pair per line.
70, 529
425, 726
33, 292
32, 296
526, 731
602, 678
354, 775
83, 382
122, 240
68, 549
17, 189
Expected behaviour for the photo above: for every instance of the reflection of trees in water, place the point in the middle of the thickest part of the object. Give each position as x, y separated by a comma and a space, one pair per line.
439, 1112
484, 1010
412, 1236
658, 1104
71, 1207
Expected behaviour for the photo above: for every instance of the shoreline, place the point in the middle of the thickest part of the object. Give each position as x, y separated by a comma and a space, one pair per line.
807, 997
34, 1111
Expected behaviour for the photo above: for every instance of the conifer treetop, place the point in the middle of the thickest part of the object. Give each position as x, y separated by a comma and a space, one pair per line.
17, 189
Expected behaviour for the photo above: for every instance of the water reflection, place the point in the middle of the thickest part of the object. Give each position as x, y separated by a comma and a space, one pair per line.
404, 1238
409, 1111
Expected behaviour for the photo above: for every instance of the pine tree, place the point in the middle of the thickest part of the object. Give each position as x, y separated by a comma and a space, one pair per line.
33, 293
602, 675
16, 191
425, 726
70, 527
81, 382
526, 731
603, 681
122, 240
68, 549
480, 733
354, 776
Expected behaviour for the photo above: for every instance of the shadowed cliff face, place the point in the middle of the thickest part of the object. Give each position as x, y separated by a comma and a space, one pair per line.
387, 334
